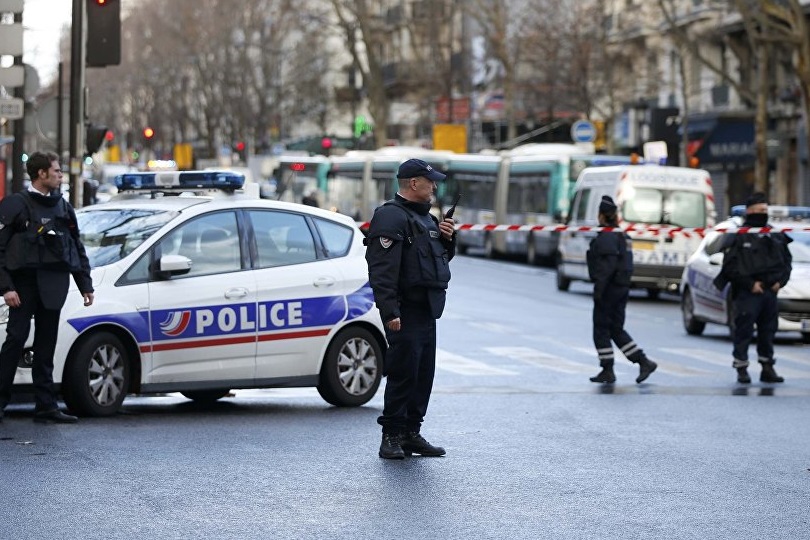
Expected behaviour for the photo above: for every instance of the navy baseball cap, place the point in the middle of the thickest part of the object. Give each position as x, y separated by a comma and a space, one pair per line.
416, 167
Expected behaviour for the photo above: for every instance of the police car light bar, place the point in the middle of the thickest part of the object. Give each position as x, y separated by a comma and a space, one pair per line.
225, 180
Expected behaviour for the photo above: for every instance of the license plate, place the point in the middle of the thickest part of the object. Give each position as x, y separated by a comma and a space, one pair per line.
805, 325
644, 244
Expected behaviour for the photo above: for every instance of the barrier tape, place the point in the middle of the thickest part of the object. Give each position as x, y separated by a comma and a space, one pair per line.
655, 230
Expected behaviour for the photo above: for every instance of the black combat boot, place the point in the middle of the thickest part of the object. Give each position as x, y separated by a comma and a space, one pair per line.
391, 446
769, 374
605, 376
414, 443
645, 369
742, 376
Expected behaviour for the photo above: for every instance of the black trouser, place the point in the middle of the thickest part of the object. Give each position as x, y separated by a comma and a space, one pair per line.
608, 325
17, 330
410, 364
762, 310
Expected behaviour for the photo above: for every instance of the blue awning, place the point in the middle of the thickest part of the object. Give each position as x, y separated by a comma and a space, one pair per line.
722, 140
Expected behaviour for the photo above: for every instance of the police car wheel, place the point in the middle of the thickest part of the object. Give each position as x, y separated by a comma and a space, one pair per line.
805, 337
206, 396
693, 326
96, 377
563, 283
352, 368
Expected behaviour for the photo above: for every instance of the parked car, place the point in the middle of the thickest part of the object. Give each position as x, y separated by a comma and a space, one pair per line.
702, 302
201, 289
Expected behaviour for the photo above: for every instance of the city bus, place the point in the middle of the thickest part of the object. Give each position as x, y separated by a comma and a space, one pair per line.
300, 175
530, 185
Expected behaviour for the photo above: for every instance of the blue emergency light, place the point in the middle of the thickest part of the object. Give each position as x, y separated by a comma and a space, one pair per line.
174, 180
795, 213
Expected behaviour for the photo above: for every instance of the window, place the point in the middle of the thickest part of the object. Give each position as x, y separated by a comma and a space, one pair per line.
678, 208
581, 205
528, 194
210, 241
336, 238
281, 238
110, 235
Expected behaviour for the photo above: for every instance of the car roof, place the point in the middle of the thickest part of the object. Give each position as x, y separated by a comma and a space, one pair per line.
179, 203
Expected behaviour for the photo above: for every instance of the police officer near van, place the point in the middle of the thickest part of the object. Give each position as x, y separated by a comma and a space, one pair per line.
757, 265
610, 266
39, 250
408, 257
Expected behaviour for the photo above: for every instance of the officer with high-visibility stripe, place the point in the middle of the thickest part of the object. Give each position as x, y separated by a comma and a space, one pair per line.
610, 265
408, 257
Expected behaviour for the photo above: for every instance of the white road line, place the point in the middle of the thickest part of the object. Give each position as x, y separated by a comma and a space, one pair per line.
724, 360
493, 327
540, 359
462, 365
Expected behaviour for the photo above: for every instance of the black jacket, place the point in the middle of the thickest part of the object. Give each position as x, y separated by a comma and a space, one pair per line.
610, 262
407, 258
753, 257
14, 219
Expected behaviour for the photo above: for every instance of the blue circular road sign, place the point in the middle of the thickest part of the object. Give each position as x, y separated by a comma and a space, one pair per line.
583, 131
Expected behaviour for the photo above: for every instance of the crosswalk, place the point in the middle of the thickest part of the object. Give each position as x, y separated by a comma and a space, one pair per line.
574, 359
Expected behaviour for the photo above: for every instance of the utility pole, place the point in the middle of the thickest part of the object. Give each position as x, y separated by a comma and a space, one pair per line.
77, 59
18, 146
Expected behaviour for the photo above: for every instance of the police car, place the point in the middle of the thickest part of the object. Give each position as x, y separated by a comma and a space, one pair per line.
201, 288
702, 302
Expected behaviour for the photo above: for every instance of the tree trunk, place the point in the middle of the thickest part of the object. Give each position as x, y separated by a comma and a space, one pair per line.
761, 180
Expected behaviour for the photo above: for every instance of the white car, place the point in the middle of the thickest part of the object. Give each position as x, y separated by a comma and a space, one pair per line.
201, 294
702, 302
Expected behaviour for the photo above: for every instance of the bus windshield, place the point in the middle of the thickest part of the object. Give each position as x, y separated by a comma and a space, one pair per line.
665, 207
528, 194
345, 194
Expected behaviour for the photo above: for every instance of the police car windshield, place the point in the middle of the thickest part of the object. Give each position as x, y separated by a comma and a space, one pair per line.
111, 235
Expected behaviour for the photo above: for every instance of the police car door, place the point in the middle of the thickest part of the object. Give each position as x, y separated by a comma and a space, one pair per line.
204, 323
301, 295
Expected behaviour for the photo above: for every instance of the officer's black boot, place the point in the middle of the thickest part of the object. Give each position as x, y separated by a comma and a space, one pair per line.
769, 374
606, 376
391, 446
414, 443
742, 376
645, 369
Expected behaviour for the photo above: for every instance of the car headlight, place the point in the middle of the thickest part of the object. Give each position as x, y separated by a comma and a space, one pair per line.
4, 314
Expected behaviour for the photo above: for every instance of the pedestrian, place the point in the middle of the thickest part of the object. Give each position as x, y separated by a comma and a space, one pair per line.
757, 265
610, 265
310, 199
39, 249
408, 257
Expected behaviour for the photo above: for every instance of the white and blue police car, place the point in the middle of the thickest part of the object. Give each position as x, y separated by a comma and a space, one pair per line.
702, 302
201, 288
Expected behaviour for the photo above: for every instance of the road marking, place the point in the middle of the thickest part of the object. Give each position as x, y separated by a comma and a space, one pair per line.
540, 359
494, 327
462, 365
724, 360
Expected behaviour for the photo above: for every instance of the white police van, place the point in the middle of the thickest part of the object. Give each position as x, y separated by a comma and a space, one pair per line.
648, 197
201, 288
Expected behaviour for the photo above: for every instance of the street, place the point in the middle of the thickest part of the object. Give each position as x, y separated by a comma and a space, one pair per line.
534, 450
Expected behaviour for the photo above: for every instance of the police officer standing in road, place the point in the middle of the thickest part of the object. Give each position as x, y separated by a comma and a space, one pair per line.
408, 255
610, 265
757, 265
39, 249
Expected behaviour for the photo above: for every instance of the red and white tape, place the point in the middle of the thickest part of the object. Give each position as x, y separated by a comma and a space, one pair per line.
656, 230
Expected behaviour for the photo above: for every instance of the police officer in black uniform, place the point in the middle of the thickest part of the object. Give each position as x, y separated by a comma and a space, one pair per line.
408, 255
610, 265
757, 265
39, 249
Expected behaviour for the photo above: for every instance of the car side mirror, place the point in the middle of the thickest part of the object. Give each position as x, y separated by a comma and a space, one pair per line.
716, 258
173, 265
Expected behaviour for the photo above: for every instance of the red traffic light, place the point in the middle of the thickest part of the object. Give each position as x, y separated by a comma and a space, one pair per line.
148, 132
109, 136
326, 143
101, 2
240, 146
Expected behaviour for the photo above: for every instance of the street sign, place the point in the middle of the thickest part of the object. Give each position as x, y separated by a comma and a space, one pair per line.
12, 6
12, 76
11, 108
11, 39
450, 137
583, 131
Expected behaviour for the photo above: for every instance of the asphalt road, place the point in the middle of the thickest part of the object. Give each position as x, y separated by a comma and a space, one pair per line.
534, 449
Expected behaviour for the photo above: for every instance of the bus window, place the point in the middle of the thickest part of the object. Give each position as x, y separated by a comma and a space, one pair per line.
528, 194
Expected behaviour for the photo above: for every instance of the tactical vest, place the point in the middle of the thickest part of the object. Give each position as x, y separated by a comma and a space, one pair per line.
46, 241
425, 261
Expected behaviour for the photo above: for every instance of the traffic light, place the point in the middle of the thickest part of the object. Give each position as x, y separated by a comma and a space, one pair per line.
148, 135
326, 145
95, 137
240, 148
103, 33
